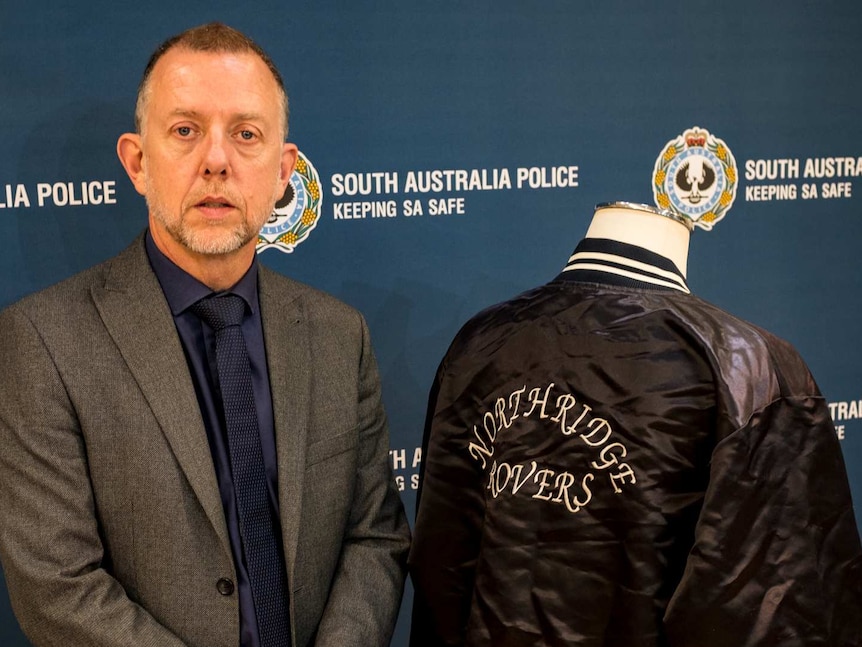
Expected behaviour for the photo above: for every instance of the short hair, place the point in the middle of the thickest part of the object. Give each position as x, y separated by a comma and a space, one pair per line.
212, 37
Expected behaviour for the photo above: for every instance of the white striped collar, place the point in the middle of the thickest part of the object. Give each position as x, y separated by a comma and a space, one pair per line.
598, 260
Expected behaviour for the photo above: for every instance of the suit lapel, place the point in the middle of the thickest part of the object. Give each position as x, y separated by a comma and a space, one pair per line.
285, 331
136, 315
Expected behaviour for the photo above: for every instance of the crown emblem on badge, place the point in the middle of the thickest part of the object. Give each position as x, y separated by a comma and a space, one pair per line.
695, 176
695, 138
296, 213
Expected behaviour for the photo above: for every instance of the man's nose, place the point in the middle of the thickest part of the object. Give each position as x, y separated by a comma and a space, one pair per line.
215, 156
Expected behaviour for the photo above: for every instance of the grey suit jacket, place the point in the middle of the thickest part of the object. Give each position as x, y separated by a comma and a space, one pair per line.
111, 527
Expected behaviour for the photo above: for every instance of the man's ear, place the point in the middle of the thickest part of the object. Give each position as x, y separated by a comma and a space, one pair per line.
289, 154
132, 158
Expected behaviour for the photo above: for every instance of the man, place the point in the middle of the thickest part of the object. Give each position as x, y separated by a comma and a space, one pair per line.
160, 485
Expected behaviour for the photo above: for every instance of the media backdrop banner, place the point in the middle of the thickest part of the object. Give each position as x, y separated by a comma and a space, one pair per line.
452, 154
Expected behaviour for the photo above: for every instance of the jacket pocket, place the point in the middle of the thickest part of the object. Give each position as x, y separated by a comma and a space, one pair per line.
329, 447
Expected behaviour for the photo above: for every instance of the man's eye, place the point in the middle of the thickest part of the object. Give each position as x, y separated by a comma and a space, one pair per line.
247, 135
184, 131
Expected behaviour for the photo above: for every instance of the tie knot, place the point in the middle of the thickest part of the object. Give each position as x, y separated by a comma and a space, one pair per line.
220, 310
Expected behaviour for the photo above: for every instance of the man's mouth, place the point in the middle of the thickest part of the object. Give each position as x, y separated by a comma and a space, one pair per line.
214, 202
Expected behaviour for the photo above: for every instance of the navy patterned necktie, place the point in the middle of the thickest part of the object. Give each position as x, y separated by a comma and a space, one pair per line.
224, 313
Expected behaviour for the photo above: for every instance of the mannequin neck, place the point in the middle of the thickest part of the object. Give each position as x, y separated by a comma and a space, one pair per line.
659, 234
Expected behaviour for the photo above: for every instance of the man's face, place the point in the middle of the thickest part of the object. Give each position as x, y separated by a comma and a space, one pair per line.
212, 157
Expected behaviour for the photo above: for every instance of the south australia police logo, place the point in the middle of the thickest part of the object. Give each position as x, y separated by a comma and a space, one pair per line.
296, 213
695, 176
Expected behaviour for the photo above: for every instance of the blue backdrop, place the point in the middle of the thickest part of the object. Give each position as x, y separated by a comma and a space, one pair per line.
505, 123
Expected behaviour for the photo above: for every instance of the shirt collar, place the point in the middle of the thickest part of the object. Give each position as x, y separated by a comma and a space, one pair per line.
599, 260
182, 290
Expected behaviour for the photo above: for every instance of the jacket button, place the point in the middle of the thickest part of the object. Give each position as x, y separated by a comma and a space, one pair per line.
225, 586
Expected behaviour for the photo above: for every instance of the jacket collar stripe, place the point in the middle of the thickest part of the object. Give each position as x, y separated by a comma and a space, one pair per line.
615, 263
628, 263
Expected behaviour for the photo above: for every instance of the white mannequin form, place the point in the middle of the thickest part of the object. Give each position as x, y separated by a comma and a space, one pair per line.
661, 232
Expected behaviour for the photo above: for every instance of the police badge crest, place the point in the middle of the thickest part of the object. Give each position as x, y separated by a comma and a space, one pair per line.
296, 213
695, 176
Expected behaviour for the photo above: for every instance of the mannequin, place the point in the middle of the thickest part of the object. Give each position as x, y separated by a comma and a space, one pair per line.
660, 231
606, 462
639, 245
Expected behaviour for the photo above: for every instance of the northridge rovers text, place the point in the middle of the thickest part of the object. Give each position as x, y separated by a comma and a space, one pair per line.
566, 416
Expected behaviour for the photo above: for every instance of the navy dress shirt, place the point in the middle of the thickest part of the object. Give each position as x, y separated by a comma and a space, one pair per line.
198, 340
